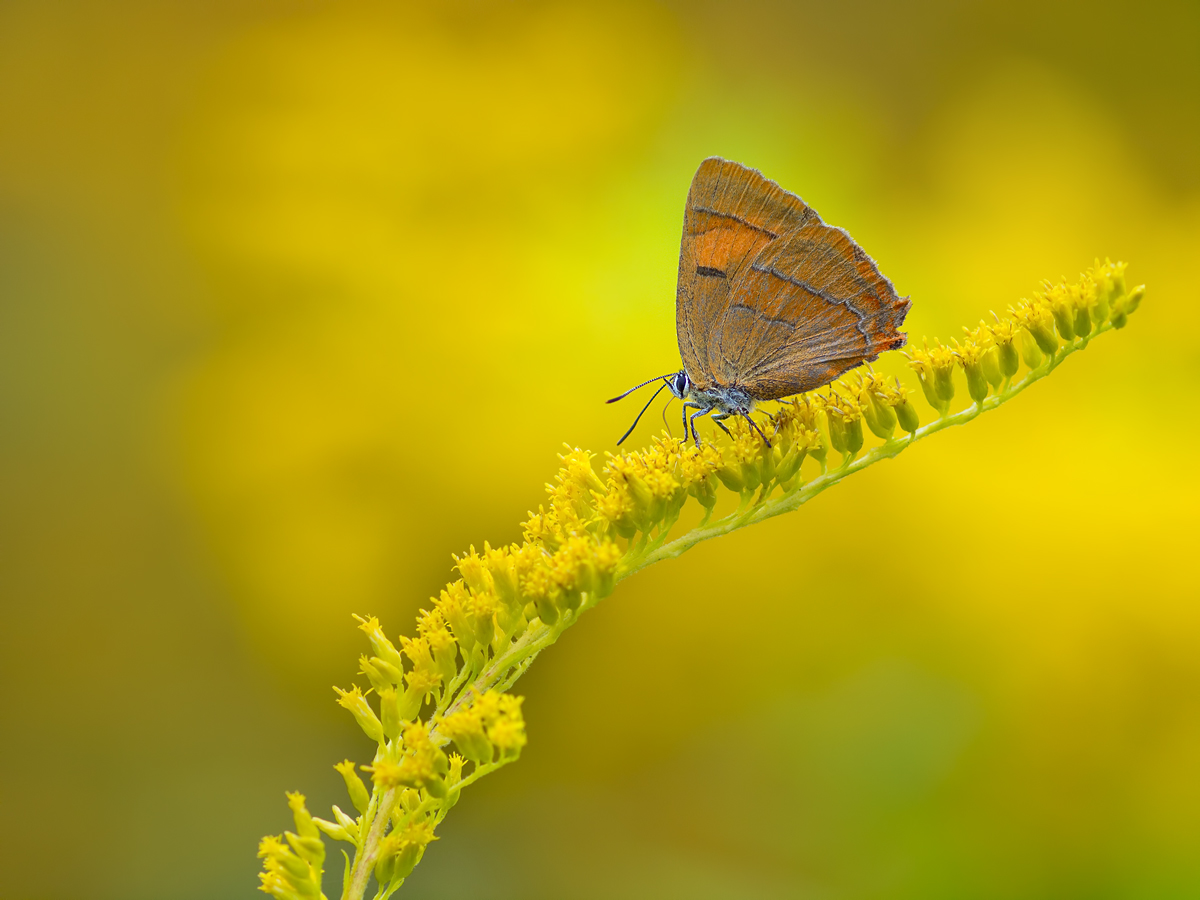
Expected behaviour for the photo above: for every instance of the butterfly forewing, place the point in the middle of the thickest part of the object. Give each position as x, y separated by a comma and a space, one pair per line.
732, 214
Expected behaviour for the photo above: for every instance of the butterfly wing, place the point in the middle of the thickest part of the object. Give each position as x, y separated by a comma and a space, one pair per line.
732, 214
807, 308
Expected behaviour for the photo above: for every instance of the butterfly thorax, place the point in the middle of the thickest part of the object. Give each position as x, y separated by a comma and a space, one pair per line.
728, 400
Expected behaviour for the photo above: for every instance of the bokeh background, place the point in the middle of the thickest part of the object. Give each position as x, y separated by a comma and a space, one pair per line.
299, 298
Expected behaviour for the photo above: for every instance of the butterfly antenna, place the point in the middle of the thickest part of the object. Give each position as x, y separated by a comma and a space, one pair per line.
636, 386
639, 415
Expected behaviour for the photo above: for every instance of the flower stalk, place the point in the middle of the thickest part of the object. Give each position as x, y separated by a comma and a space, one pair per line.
447, 686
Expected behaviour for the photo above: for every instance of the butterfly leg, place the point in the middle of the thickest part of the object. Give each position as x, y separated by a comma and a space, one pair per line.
754, 425
717, 417
687, 404
700, 411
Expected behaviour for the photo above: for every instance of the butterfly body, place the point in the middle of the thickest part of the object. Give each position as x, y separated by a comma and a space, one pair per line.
722, 401
771, 301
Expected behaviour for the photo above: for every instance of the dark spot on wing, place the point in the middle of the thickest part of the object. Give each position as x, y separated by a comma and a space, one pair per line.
710, 272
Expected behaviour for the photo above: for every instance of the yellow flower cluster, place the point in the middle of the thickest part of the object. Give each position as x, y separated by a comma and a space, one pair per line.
446, 685
292, 869
492, 722
1058, 315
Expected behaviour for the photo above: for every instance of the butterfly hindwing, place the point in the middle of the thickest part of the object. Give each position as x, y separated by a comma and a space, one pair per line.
808, 307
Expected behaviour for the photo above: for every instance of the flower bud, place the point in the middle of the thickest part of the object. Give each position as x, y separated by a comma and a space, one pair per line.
389, 709
837, 429
1110, 281
1124, 305
731, 477
1030, 351
537, 585
421, 683
454, 605
484, 611
475, 747
470, 566
445, 653
1064, 318
1010, 360
1040, 325
906, 415
930, 391
304, 821
643, 513
935, 371
379, 672
354, 701
854, 436
880, 417
818, 448
969, 357
989, 359
354, 786
335, 831
789, 463
310, 849
383, 648
1098, 304
453, 777
436, 788
297, 872
409, 800
943, 374
751, 475
919, 362
845, 428
705, 491
406, 861
405, 848
502, 567
1079, 306
766, 456
347, 823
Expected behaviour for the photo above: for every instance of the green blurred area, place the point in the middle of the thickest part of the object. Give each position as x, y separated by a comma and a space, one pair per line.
296, 299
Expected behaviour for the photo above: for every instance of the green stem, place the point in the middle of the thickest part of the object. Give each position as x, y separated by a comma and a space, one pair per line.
368, 854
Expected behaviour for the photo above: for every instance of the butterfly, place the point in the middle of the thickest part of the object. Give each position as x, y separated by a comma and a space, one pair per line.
771, 301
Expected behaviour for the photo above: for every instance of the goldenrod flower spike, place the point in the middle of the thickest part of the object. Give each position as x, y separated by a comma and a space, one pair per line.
447, 684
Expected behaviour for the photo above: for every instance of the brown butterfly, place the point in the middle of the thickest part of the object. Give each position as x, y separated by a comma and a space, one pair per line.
771, 301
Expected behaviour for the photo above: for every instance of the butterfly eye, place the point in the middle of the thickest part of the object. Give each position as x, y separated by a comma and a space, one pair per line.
680, 384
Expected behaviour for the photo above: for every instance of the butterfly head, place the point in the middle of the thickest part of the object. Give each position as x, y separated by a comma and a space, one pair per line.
679, 383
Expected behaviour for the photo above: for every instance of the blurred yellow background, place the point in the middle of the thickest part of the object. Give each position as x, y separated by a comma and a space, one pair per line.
299, 298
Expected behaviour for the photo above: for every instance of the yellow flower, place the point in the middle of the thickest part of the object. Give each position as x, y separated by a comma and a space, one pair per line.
356, 703
383, 648
935, 369
473, 571
1039, 322
970, 357
1004, 333
845, 425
